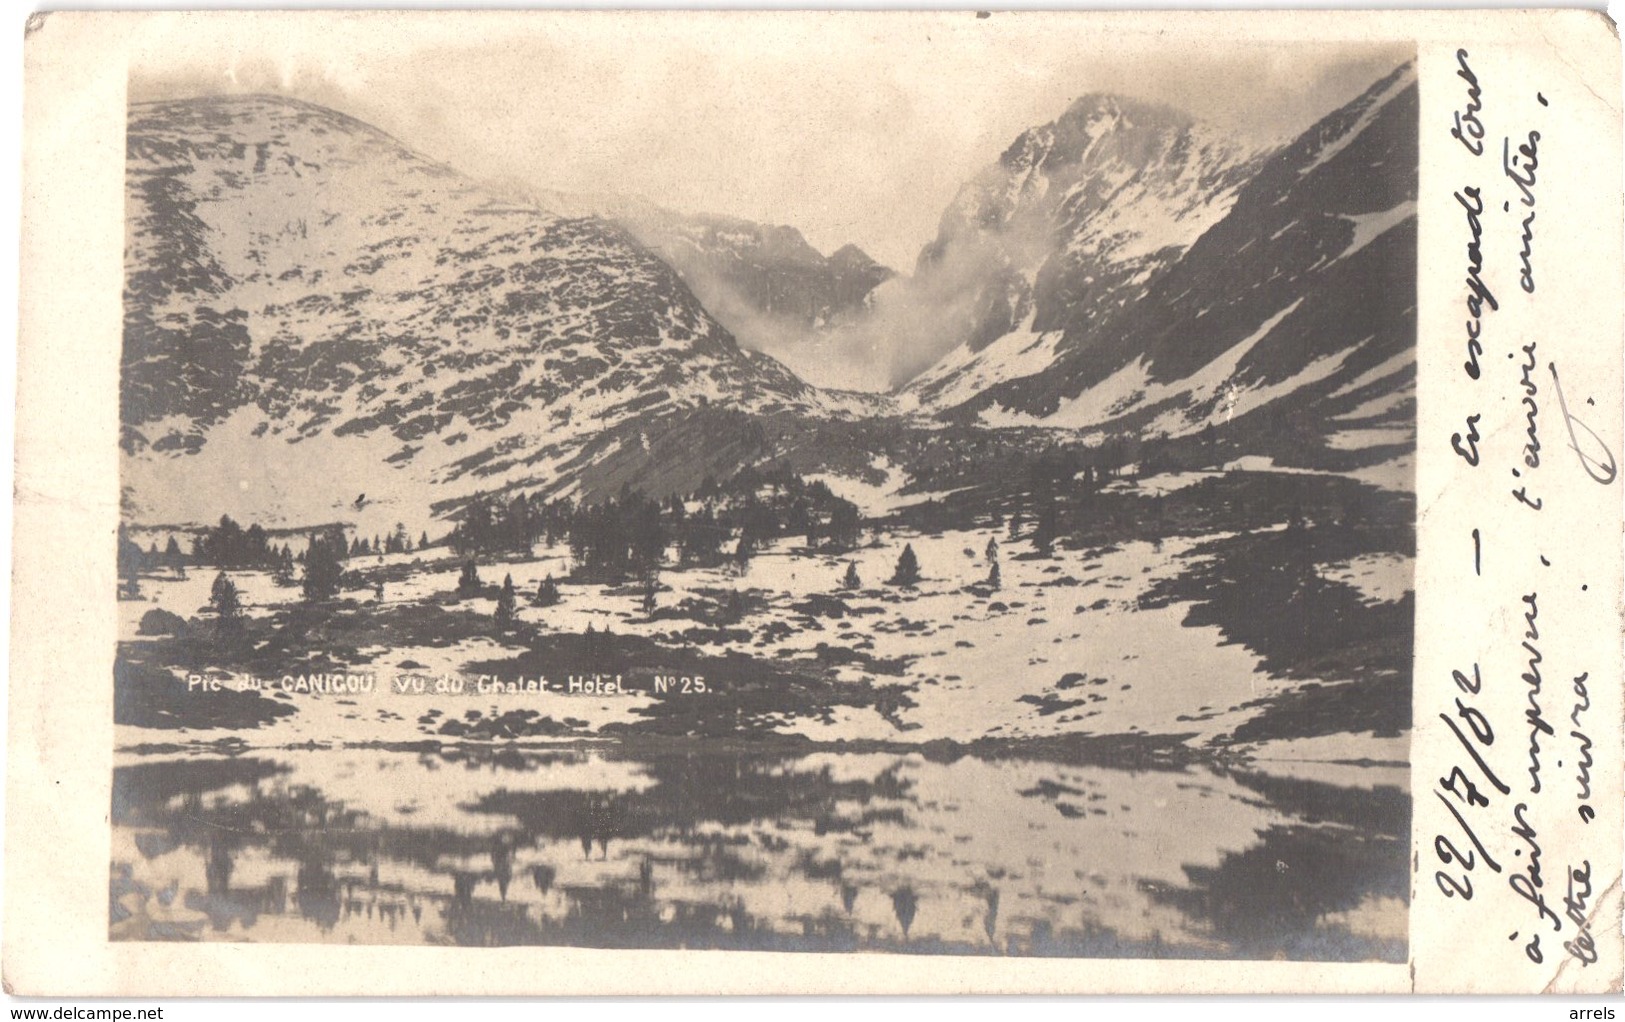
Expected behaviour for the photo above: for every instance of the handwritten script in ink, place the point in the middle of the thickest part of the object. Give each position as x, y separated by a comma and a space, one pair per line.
1518, 720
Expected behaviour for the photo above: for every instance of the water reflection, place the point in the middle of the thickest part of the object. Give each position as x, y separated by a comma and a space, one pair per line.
690, 847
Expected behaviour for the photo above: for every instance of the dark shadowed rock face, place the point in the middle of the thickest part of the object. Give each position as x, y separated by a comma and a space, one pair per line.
1291, 318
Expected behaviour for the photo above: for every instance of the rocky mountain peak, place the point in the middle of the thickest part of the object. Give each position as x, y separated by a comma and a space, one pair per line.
854, 258
1079, 136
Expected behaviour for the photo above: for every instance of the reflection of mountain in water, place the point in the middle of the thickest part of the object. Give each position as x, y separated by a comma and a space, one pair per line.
758, 850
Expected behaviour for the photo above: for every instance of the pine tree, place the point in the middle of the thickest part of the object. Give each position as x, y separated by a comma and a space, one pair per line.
505, 604
468, 584
993, 548
908, 568
993, 575
174, 559
282, 574
905, 903
650, 586
423, 540
228, 607
852, 581
547, 592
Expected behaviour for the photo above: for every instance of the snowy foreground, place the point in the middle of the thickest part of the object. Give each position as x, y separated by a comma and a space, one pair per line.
1063, 647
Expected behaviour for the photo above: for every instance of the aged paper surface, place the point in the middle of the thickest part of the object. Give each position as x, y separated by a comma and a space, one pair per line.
942, 502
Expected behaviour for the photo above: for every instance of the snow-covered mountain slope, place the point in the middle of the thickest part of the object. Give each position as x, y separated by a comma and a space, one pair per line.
1068, 227
765, 283
321, 324
1289, 322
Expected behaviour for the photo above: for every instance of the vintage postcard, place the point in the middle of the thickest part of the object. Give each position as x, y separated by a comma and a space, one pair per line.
683, 502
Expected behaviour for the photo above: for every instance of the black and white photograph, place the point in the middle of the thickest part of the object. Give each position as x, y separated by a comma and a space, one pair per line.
644, 491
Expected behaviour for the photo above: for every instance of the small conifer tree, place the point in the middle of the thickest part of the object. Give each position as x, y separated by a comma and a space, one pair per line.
505, 604
650, 586
908, 568
228, 605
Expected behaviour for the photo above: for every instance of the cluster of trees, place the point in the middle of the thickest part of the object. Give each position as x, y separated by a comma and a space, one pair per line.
971, 459
229, 545
324, 564
1055, 480
468, 583
131, 562
490, 525
632, 534
506, 613
907, 572
397, 542
624, 535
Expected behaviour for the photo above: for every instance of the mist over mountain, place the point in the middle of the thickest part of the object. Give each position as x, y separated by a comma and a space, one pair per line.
1074, 214
773, 291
